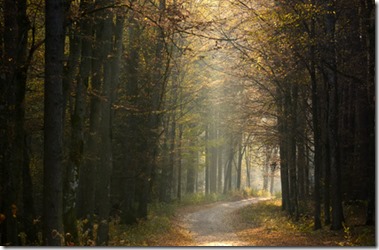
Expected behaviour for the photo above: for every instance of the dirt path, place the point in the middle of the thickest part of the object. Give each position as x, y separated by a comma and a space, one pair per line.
212, 226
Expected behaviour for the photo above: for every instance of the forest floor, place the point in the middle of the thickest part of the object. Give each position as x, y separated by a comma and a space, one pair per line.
247, 222
255, 222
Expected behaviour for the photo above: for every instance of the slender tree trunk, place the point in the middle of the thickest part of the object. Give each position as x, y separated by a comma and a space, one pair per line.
370, 78
331, 75
191, 170
282, 128
165, 165
266, 168
53, 130
131, 141
247, 162
301, 132
272, 177
71, 178
219, 162
228, 170
307, 174
180, 137
28, 201
105, 167
239, 163
316, 132
155, 92
88, 178
207, 160
324, 150
293, 97
84, 189
172, 153
213, 158
273, 167
12, 113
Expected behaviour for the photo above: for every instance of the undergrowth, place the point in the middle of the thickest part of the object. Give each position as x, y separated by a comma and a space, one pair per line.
144, 232
269, 217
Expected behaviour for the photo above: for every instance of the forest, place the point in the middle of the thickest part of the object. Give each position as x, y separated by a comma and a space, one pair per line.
110, 107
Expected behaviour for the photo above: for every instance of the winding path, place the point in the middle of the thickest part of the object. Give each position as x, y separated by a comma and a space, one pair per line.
213, 226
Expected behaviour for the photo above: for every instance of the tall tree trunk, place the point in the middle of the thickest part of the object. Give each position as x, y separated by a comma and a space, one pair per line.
191, 170
247, 163
316, 131
71, 178
370, 78
131, 141
180, 137
228, 169
266, 168
172, 152
301, 132
155, 92
87, 176
273, 167
219, 162
85, 173
104, 169
272, 177
213, 158
53, 130
165, 165
283, 147
239, 162
28, 201
293, 99
324, 149
207, 160
12, 112
331, 76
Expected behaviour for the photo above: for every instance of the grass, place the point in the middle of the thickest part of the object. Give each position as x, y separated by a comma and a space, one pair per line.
260, 224
161, 229
156, 230
264, 224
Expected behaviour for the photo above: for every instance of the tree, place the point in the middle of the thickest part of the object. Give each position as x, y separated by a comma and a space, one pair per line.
332, 87
80, 47
14, 163
54, 48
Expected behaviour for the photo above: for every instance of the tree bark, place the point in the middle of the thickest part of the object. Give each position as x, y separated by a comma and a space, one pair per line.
77, 42
213, 158
247, 162
105, 167
155, 92
282, 127
12, 110
191, 170
239, 163
370, 78
228, 169
53, 130
316, 131
219, 161
292, 102
207, 160
331, 77
180, 137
